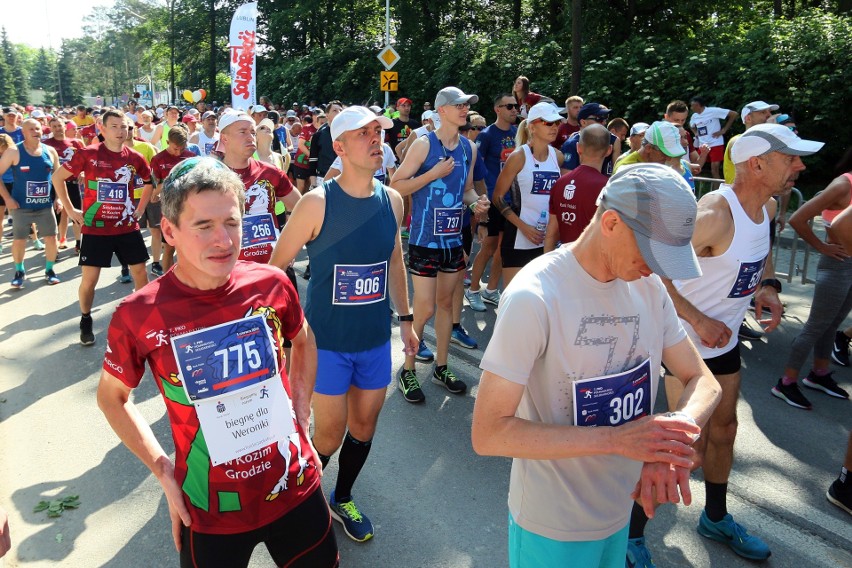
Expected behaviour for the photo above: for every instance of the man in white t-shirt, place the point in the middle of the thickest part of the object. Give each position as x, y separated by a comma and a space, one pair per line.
578, 343
707, 127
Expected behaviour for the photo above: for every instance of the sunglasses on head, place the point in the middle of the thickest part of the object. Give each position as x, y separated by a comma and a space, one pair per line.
511, 106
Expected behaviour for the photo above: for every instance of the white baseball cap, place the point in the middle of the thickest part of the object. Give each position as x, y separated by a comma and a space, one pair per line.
259, 108
355, 117
639, 128
544, 111
229, 117
765, 138
427, 115
37, 114
755, 106
665, 136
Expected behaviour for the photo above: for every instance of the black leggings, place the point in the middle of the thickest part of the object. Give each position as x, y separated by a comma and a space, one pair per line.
303, 537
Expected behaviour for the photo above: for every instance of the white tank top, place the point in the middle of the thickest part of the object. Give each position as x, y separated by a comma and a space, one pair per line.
146, 136
532, 189
728, 281
205, 143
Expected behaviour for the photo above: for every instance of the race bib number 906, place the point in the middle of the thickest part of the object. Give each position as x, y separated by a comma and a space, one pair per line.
356, 284
615, 399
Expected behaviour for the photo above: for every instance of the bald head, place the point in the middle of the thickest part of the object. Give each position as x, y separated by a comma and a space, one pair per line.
594, 139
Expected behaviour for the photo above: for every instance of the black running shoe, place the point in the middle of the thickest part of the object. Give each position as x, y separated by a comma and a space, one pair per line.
840, 496
840, 352
748, 334
826, 384
791, 395
87, 336
449, 381
410, 386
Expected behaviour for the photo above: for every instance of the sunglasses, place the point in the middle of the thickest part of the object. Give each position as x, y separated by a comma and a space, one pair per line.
510, 106
600, 119
546, 123
477, 128
462, 106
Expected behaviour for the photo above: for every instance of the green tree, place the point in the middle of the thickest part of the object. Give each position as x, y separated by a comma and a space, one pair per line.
68, 92
11, 94
7, 88
44, 74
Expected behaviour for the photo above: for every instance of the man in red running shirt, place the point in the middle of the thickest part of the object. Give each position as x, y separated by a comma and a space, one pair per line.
211, 331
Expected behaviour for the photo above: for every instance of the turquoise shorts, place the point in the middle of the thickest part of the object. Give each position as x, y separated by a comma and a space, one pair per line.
529, 550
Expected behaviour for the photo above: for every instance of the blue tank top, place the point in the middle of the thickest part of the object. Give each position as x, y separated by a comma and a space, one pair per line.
17, 137
437, 208
32, 189
347, 301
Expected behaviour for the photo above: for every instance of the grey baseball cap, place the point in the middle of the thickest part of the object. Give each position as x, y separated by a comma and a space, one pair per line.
656, 202
453, 96
765, 138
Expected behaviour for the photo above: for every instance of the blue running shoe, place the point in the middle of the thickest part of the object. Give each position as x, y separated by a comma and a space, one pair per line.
734, 535
355, 524
18, 280
638, 555
51, 277
424, 354
125, 277
460, 337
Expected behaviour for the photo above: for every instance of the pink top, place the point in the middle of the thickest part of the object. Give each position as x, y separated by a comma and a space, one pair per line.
828, 215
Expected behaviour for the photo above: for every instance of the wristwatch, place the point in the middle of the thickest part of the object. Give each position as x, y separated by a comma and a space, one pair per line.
774, 282
409, 317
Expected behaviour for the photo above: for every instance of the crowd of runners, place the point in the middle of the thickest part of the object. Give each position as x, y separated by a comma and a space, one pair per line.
605, 270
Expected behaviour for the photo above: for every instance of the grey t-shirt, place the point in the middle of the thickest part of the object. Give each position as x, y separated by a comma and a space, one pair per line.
558, 325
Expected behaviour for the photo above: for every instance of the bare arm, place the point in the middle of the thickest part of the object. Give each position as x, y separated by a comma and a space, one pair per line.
732, 116
403, 179
835, 196
291, 199
125, 419
302, 227
551, 235
58, 179
8, 159
303, 374
331, 173
398, 282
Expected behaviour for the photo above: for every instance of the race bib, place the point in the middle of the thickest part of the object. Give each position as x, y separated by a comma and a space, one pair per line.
230, 373
112, 192
258, 230
747, 279
614, 399
702, 131
38, 189
356, 284
208, 147
448, 220
543, 181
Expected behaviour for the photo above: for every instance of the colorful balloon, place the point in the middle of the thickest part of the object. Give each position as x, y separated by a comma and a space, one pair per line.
196, 96
203, 94
187, 94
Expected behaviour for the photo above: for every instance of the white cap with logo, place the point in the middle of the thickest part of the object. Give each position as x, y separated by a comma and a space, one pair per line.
355, 117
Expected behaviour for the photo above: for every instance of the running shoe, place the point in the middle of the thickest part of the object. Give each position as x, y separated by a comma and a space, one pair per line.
449, 381
51, 277
156, 269
63, 244
840, 352
460, 337
734, 535
404, 234
87, 336
748, 334
791, 395
826, 384
125, 276
490, 296
356, 525
18, 280
307, 273
466, 280
839, 495
475, 300
424, 354
410, 386
638, 555
38, 245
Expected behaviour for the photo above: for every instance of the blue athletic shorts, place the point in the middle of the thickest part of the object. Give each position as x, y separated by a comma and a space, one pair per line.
367, 370
529, 550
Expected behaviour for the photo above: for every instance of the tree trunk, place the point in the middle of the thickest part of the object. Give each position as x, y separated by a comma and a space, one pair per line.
211, 70
576, 44
516, 14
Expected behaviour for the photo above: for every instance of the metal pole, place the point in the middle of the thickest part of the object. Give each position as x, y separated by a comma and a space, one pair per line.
172, 97
387, 42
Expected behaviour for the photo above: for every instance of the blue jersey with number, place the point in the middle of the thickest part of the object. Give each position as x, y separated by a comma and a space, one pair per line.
347, 302
32, 189
437, 207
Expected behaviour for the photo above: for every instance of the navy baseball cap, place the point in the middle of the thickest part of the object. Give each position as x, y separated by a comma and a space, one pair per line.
592, 109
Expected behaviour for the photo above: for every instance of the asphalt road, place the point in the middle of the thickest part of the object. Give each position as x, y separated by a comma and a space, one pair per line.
433, 501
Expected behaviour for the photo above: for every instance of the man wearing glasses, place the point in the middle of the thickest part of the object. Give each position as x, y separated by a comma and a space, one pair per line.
590, 113
438, 174
495, 143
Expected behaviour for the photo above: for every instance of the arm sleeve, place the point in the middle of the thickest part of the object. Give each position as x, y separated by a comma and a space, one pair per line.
520, 336
289, 309
284, 186
123, 358
76, 163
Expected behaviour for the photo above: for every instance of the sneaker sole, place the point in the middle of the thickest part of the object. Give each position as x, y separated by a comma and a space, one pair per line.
779, 394
476, 309
725, 540
492, 302
405, 396
424, 359
339, 519
446, 386
463, 344
86, 343
816, 386
837, 360
837, 502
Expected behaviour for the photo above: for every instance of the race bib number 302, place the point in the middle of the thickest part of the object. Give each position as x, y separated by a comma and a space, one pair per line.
112, 192
357, 284
614, 399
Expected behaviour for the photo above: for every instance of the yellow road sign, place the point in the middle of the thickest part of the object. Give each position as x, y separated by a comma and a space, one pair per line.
389, 80
389, 57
